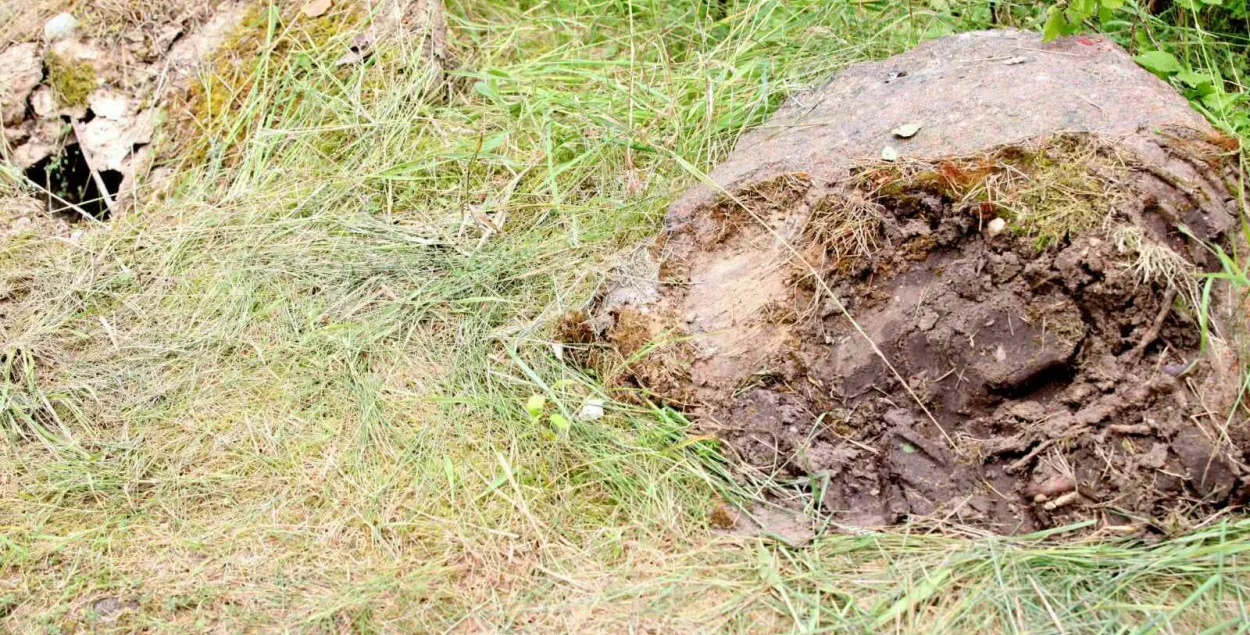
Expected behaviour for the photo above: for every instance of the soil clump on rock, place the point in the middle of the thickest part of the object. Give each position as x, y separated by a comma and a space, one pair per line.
959, 286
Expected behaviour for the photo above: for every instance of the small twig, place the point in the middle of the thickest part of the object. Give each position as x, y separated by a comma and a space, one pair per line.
1019, 464
1061, 501
95, 174
1088, 101
1153, 334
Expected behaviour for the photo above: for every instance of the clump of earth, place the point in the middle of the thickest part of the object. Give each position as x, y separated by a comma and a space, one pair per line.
960, 286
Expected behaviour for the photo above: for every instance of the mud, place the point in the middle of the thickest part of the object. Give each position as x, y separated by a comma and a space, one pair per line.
1000, 336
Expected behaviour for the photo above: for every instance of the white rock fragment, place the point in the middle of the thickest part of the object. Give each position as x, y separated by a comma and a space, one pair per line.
76, 51
995, 227
316, 8
43, 101
59, 27
17, 135
592, 410
30, 154
109, 104
105, 143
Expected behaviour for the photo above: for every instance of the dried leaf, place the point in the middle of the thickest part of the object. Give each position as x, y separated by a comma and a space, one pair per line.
889, 154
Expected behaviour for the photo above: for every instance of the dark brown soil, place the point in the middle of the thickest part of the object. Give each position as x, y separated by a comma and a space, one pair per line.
1014, 378
1043, 384
1050, 395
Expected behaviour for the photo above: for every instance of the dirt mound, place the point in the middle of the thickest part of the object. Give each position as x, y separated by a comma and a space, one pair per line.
994, 327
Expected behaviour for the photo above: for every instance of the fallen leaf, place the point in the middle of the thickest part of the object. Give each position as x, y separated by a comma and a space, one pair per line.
889, 154
317, 8
907, 130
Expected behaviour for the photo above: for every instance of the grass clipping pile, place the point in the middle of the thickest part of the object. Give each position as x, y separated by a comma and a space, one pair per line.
1004, 338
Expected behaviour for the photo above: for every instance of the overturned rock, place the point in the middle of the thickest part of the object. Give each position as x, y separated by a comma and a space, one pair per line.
945, 335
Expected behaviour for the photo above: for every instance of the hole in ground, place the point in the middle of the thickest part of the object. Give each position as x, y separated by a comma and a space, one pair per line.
68, 177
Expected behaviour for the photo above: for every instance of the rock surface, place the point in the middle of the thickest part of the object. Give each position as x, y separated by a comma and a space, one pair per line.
133, 72
20, 72
970, 91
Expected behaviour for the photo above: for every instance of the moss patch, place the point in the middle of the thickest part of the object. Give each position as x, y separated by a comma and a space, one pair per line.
71, 81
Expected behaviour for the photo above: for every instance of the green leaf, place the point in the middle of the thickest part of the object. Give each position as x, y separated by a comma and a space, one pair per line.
889, 154
1193, 79
487, 91
937, 29
1054, 24
559, 421
916, 595
1218, 101
535, 406
1083, 8
1113, 4
1158, 62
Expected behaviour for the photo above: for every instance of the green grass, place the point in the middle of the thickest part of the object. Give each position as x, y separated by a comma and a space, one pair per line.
291, 396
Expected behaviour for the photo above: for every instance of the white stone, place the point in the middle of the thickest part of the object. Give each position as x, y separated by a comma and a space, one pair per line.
995, 227
105, 143
59, 27
592, 410
109, 104
43, 101
30, 154
76, 50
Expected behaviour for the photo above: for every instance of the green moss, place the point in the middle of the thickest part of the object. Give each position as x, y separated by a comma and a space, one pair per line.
297, 47
71, 81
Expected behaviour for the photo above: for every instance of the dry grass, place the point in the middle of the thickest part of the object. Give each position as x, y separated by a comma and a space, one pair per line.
291, 397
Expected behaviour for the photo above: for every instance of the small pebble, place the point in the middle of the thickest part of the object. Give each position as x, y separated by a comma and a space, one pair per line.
60, 27
995, 227
592, 410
